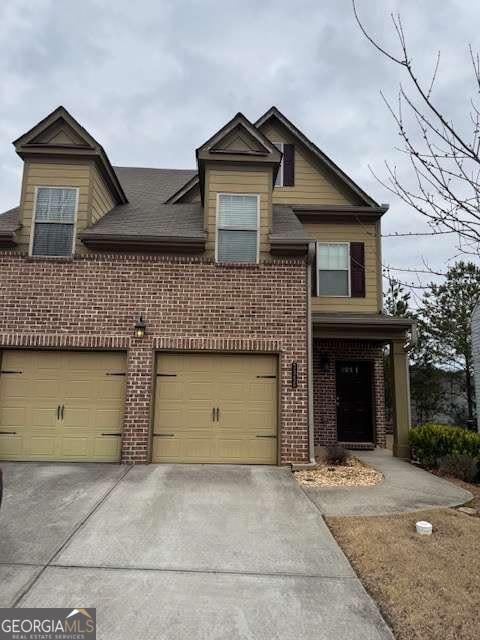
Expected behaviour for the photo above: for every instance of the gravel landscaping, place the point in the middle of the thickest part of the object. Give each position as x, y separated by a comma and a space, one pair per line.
353, 473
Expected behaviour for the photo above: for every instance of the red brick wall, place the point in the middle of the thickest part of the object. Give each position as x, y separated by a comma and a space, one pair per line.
93, 302
324, 389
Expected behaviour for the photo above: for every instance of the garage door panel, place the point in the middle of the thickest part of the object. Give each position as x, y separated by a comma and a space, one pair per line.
107, 420
72, 446
92, 400
12, 417
107, 448
202, 382
41, 446
185, 449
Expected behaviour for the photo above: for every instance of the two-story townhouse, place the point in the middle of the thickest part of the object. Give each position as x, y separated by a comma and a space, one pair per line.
231, 313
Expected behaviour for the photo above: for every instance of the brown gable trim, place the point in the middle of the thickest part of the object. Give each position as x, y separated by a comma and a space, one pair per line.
24, 147
180, 193
239, 119
273, 112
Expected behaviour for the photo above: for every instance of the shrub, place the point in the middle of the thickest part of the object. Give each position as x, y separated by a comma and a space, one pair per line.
459, 465
433, 441
336, 454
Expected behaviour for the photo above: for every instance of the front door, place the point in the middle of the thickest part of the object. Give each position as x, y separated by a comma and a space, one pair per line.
354, 401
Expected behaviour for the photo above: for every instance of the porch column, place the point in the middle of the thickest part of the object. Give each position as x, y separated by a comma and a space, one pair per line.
401, 398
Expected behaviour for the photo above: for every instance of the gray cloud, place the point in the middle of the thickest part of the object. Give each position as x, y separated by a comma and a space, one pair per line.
153, 79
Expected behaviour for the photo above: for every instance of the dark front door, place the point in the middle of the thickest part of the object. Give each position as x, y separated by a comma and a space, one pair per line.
354, 401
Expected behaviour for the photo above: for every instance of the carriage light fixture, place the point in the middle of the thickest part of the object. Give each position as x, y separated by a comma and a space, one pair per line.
140, 327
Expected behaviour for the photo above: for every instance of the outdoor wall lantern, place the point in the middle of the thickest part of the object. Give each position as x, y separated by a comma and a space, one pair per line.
140, 327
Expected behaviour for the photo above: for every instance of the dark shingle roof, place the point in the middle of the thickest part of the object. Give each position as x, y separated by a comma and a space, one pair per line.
9, 221
286, 225
147, 216
153, 220
144, 185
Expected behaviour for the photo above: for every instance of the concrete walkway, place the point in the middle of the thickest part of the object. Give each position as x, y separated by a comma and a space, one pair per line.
405, 488
179, 552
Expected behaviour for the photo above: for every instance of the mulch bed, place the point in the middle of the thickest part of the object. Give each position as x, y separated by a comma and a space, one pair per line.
354, 473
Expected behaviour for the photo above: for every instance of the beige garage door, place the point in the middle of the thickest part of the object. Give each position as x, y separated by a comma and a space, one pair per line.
58, 405
216, 408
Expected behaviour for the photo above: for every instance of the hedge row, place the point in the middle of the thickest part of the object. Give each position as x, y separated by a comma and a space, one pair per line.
433, 441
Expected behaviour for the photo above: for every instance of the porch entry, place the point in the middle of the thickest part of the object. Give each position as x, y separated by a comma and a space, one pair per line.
354, 401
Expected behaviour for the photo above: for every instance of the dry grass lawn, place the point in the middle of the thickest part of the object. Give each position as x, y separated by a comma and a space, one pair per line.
428, 587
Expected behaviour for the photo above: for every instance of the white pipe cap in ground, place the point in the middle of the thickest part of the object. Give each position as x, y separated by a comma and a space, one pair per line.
424, 528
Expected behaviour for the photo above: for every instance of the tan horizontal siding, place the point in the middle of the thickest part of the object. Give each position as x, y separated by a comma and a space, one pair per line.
102, 201
352, 232
53, 174
314, 183
239, 180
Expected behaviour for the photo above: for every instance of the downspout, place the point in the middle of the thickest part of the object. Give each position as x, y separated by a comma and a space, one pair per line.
311, 442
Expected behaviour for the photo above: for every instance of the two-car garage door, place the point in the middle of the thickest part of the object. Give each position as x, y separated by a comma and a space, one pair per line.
212, 408
58, 405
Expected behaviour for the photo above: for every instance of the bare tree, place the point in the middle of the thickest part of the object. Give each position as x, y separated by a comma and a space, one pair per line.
445, 161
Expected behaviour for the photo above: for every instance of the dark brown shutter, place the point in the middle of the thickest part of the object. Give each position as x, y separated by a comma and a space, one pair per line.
288, 165
357, 269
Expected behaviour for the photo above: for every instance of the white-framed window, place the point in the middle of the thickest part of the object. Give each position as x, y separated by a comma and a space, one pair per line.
279, 179
53, 228
237, 227
333, 269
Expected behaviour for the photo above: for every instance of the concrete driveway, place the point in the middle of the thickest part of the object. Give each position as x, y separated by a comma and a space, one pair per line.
179, 552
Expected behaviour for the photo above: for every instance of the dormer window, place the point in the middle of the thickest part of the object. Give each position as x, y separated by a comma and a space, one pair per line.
54, 221
237, 228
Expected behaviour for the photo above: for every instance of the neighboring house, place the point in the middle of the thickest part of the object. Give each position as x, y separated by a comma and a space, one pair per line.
230, 313
475, 323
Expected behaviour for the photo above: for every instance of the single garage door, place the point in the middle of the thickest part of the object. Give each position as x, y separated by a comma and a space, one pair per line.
216, 408
59, 405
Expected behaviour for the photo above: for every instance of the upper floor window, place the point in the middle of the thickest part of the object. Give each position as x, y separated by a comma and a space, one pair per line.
333, 269
54, 221
237, 228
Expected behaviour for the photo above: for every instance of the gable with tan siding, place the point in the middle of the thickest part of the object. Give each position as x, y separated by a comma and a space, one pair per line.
314, 183
53, 174
234, 179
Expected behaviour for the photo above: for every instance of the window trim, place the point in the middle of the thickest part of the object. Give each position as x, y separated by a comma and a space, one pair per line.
348, 270
218, 228
34, 219
281, 147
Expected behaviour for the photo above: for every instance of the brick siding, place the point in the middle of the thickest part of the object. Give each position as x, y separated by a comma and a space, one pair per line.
324, 386
189, 303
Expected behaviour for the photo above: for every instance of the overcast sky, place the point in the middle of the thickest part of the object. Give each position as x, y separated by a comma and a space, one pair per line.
152, 79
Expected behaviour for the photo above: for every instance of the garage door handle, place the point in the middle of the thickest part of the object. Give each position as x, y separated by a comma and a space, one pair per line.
218, 414
111, 434
62, 410
266, 436
58, 412
163, 435
213, 414
8, 433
